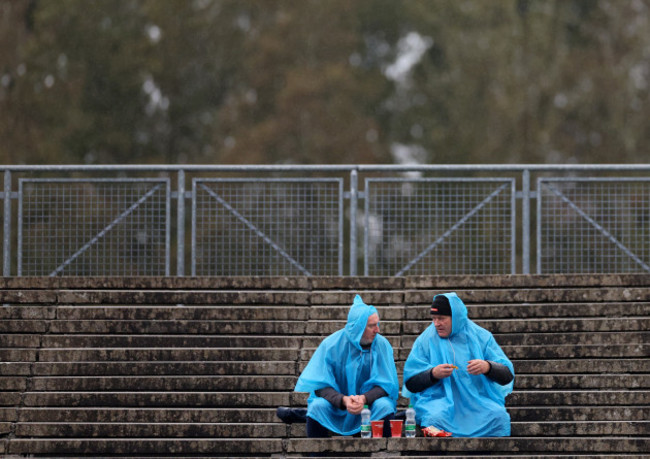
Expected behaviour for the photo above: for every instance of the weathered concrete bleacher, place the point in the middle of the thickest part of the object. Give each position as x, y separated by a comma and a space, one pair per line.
197, 366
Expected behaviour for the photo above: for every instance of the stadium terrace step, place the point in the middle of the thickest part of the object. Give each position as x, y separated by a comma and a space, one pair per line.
274, 430
584, 381
583, 351
197, 366
161, 399
156, 383
193, 341
579, 397
583, 366
147, 415
95, 447
165, 354
156, 430
274, 399
163, 368
526, 295
584, 445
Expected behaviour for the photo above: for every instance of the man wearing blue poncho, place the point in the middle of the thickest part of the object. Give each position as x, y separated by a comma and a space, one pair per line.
457, 376
351, 368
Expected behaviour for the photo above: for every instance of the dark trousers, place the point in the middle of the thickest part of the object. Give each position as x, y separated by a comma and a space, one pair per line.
316, 430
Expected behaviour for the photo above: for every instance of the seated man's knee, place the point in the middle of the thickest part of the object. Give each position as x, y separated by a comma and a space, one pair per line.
383, 405
319, 403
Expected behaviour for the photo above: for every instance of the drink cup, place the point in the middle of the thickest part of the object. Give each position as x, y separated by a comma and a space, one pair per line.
377, 429
396, 427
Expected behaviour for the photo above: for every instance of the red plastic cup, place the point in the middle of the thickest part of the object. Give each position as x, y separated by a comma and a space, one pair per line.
377, 429
396, 427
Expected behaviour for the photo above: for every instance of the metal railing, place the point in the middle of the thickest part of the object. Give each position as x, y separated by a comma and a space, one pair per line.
317, 220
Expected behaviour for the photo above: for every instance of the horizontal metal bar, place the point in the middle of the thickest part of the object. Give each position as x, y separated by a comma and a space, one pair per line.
328, 167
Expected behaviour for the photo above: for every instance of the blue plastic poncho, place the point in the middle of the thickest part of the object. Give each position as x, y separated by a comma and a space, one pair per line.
463, 404
341, 363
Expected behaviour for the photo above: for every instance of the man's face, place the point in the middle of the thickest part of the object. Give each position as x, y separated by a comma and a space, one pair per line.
443, 325
372, 328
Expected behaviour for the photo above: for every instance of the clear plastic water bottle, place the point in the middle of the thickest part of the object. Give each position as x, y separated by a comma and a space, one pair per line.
409, 424
365, 422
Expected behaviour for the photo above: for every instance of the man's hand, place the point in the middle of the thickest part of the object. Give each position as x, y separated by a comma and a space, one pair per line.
354, 403
444, 370
478, 367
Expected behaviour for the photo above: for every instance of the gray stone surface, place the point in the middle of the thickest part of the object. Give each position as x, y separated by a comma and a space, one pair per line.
163, 399
144, 446
197, 366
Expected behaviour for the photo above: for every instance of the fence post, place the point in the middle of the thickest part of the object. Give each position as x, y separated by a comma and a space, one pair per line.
353, 221
525, 224
180, 231
6, 233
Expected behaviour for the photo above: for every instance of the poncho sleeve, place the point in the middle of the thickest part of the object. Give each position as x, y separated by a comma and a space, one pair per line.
319, 372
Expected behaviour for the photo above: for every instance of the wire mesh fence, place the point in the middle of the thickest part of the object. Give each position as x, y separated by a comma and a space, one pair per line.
439, 226
302, 220
267, 227
93, 227
593, 225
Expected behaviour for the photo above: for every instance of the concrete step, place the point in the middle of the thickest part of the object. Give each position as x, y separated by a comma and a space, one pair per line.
519, 339
583, 366
582, 381
13, 383
158, 430
329, 312
519, 398
275, 430
173, 382
547, 325
147, 415
477, 446
197, 367
167, 354
11, 398
319, 327
156, 383
254, 415
571, 338
537, 311
284, 367
319, 297
18, 355
14, 341
27, 312
508, 281
96, 447
14, 368
528, 295
354, 283
580, 351
165, 399
578, 397
167, 341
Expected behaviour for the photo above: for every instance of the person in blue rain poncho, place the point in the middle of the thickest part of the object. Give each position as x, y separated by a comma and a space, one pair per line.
351, 367
457, 376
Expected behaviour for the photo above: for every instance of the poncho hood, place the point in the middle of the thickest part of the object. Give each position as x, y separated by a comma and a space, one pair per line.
459, 318
357, 320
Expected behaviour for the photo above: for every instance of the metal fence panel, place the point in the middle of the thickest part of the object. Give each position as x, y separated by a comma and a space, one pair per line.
84, 227
593, 225
439, 226
267, 227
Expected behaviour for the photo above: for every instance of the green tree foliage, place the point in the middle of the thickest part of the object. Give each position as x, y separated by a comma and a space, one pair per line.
324, 81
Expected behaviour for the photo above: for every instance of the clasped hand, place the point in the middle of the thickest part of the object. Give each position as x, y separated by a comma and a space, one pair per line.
354, 403
474, 367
